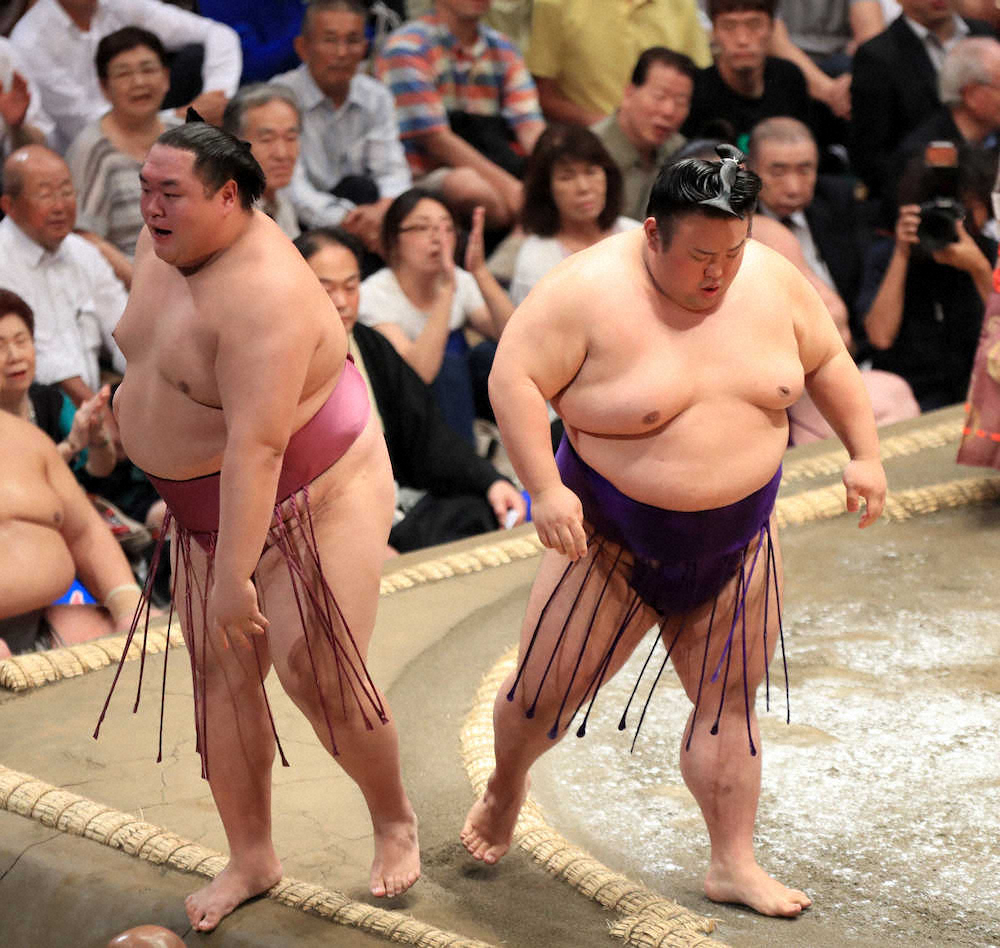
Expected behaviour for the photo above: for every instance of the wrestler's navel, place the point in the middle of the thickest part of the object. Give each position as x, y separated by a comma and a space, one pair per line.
184, 387
651, 418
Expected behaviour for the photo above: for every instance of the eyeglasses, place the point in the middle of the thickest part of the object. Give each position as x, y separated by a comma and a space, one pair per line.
146, 70
445, 227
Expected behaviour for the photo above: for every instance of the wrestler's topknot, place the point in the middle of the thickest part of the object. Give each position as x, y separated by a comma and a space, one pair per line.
218, 158
722, 188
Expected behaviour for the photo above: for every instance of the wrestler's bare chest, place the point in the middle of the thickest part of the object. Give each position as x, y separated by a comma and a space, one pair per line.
168, 405
641, 372
26, 495
685, 412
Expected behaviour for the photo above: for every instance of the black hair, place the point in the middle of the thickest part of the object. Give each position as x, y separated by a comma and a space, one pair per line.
662, 56
313, 7
721, 189
12, 304
311, 242
124, 40
398, 211
717, 7
218, 157
556, 144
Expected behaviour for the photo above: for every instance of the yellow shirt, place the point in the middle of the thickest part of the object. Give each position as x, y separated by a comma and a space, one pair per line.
590, 47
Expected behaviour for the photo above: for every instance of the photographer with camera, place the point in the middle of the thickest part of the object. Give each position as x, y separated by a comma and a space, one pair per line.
925, 288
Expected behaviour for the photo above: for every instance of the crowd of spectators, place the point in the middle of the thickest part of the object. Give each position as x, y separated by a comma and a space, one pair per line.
433, 159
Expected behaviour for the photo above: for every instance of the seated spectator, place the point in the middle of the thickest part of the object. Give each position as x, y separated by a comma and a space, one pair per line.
49, 534
894, 84
820, 210
267, 116
460, 494
817, 214
77, 432
422, 303
969, 87
820, 38
106, 156
510, 17
267, 33
468, 110
84, 436
644, 131
582, 52
744, 85
573, 194
75, 295
57, 40
352, 163
924, 293
22, 120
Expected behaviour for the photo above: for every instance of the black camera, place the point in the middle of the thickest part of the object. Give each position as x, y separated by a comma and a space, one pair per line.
940, 214
938, 225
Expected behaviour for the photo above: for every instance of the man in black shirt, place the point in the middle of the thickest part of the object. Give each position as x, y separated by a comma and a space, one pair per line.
744, 85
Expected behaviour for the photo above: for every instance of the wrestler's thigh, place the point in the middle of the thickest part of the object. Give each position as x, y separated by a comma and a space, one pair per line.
351, 518
573, 616
701, 647
246, 659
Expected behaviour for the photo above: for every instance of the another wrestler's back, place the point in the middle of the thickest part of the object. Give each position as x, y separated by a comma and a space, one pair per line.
168, 405
680, 410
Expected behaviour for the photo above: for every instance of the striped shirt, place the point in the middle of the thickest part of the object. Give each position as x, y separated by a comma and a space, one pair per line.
430, 75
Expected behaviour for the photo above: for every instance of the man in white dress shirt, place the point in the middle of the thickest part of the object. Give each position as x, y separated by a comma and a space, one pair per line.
76, 298
352, 163
58, 41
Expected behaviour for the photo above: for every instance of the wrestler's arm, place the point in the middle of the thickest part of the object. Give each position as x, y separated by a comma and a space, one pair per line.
834, 384
260, 369
99, 561
540, 352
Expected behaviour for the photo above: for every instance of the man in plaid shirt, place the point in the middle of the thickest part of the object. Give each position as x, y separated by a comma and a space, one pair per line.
467, 107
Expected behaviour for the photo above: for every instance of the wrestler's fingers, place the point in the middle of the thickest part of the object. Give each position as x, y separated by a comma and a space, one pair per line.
853, 499
579, 536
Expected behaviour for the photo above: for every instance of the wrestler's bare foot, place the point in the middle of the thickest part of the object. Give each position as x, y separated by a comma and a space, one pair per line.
228, 890
749, 885
489, 826
397, 857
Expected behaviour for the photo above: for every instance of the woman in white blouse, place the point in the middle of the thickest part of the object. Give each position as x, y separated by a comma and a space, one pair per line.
572, 196
423, 303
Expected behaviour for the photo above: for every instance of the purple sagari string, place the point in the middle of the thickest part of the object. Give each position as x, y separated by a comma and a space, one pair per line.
743, 577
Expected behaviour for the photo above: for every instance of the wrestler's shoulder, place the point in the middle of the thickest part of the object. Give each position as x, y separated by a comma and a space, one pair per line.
592, 273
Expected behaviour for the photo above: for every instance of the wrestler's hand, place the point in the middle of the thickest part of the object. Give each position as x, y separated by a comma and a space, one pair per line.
865, 478
233, 612
558, 517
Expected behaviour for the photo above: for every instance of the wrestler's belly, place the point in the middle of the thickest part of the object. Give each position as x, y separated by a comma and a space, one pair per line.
699, 460
166, 433
36, 566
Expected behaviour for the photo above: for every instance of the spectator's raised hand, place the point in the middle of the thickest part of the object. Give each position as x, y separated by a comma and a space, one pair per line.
89, 423
475, 248
14, 101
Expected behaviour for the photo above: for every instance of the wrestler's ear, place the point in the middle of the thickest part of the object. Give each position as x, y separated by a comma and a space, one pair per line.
229, 194
652, 233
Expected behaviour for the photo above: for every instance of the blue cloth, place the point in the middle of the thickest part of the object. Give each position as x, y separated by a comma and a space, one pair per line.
266, 30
